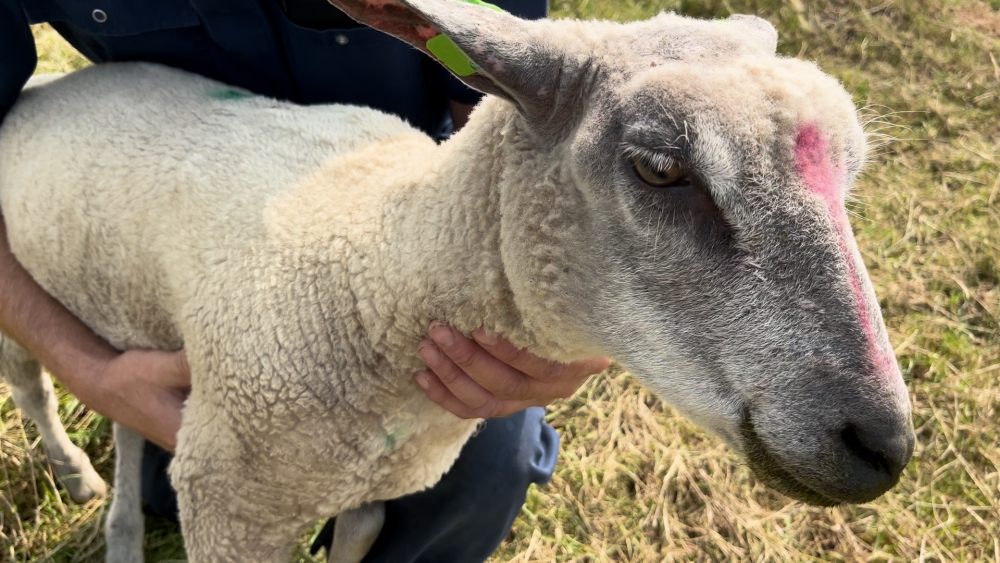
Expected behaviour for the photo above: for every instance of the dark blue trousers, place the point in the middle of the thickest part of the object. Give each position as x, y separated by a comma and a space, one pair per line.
462, 519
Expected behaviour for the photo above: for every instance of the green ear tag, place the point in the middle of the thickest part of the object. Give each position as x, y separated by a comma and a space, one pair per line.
442, 47
483, 4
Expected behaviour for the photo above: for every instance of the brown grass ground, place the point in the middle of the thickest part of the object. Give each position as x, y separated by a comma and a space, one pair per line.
636, 482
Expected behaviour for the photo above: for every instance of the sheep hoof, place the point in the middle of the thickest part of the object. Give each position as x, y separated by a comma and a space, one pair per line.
355, 532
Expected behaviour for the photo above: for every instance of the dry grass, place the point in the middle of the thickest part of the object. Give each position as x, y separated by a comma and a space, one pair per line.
636, 482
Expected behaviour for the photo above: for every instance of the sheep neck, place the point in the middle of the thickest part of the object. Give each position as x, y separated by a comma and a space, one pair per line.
443, 234
489, 234
404, 232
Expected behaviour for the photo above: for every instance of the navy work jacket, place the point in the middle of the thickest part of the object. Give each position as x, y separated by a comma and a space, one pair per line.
246, 43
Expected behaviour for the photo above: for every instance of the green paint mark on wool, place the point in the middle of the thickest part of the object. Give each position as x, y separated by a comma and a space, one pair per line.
391, 438
229, 94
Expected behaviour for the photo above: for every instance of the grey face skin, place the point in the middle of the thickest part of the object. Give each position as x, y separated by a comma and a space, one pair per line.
712, 245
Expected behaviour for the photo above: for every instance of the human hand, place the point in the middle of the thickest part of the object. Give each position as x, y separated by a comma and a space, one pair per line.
488, 377
145, 391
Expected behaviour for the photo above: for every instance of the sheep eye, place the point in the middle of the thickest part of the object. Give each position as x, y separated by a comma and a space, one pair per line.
674, 174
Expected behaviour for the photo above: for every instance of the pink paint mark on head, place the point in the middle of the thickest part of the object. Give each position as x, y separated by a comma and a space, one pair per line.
823, 178
881, 355
812, 160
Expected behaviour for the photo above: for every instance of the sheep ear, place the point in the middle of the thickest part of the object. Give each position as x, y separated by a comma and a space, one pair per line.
761, 33
485, 47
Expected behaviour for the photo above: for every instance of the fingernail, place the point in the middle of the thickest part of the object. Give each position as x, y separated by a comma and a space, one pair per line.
429, 353
443, 336
422, 380
485, 337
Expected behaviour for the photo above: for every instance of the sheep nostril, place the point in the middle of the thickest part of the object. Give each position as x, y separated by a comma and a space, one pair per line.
873, 453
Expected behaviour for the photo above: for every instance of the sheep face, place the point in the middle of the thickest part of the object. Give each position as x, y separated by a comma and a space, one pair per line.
672, 195
731, 282
733, 285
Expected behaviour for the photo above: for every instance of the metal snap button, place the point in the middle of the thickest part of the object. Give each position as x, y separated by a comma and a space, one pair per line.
341, 39
100, 16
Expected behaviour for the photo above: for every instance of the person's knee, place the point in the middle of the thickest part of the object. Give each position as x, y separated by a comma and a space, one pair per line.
466, 515
511, 452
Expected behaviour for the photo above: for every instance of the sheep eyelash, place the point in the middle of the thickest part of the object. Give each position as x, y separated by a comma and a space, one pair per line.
655, 160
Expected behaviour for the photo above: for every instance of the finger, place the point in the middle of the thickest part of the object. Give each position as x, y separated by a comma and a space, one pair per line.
590, 366
182, 369
166, 419
518, 358
482, 368
177, 382
164, 369
534, 366
170, 429
440, 394
579, 372
462, 380
158, 419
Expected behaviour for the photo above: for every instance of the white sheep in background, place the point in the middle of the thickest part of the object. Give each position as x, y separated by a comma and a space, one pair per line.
668, 193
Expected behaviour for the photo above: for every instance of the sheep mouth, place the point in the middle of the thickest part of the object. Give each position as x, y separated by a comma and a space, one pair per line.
769, 470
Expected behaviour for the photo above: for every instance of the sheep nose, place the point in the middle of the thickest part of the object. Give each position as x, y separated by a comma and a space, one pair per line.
876, 455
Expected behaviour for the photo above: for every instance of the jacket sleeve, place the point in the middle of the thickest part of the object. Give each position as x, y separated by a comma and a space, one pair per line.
17, 53
527, 9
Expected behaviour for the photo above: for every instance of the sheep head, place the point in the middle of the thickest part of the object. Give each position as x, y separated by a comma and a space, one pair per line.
672, 196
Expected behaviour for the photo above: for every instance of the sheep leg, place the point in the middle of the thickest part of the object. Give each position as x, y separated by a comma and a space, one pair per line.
124, 528
33, 393
227, 512
222, 520
355, 531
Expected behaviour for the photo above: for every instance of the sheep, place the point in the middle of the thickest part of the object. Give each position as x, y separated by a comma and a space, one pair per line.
669, 193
